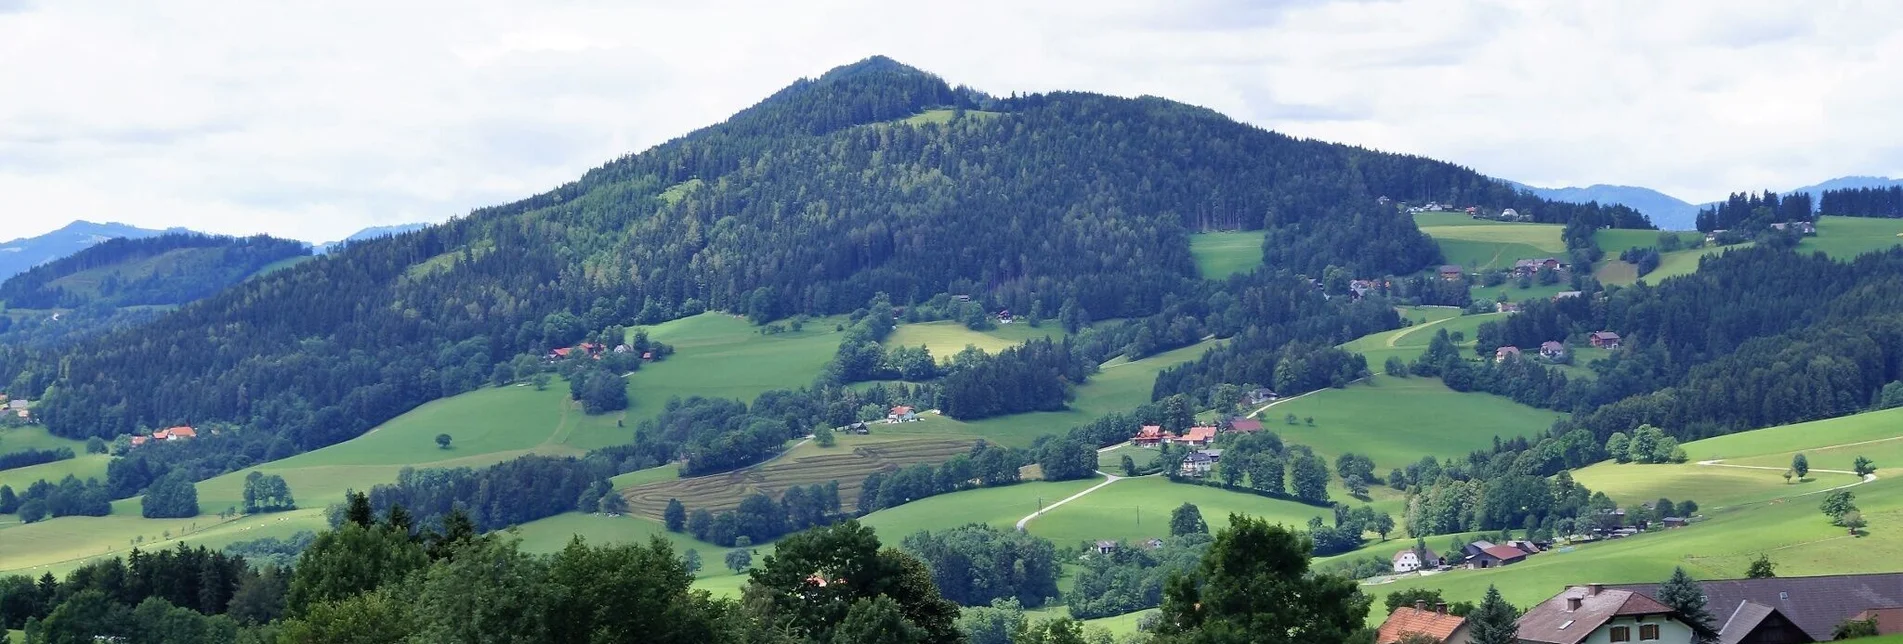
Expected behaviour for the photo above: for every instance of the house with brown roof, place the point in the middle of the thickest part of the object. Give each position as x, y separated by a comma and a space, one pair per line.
1418, 619
1449, 272
1794, 609
1152, 436
1196, 437
1496, 556
1506, 353
1596, 614
1603, 339
1552, 350
1245, 425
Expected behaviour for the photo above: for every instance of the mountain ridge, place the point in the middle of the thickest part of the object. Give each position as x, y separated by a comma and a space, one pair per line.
24, 253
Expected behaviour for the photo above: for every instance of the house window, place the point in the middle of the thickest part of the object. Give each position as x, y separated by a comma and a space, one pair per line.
1621, 633
1648, 632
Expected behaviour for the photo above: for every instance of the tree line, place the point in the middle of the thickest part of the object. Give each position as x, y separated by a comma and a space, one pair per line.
183, 267
1862, 202
1754, 211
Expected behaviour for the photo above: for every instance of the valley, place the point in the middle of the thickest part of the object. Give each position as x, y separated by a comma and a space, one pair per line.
1036, 344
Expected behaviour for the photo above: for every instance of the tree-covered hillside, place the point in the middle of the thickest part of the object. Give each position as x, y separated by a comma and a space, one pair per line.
174, 268
812, 201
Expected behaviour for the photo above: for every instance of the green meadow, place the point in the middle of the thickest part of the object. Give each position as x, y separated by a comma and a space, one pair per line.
1848, 237
36, 437
1396, 421
1747, 512
1136, 509
1478, 244
1120, 385
1408, 343
1617, 240
1219, 255
943, 116
946, 338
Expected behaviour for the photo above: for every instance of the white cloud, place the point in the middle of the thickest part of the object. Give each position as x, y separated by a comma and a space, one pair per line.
313, 119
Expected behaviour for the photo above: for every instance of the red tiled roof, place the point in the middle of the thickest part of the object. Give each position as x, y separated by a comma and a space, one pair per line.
1200, 434
1151, 431
1245, 425
901, 410
1408, 619
184, 431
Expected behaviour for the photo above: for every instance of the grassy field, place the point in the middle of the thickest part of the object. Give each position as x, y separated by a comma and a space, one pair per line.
1137, 509
715, 355
1478, 244
1396, 421
1848, 237
997, 506
1749, 512
943, 116
1408, 343
848, 462
1219, 255
1516, 294
946, 338
1617, 240
36, 437
1112, 461
1672, 264
83, 465
1120, 386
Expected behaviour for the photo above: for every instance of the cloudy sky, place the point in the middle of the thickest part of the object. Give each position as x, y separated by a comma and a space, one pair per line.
314, 119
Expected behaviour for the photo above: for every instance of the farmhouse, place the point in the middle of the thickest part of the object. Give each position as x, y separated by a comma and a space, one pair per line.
1449, 272
1506, 353
1260, 395
1563, 295
1361, 288
1196, 437
1418, 620
18, 404
1598, 614
1506, 307
1106, 546
1802, 227
901, 414
1152, 436
1409, 561
1603, 340
1795, 609
1004, 316
1552, 350
1201, 461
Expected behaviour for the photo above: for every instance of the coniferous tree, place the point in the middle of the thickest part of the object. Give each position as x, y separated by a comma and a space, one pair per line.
1493, 621
1687, 597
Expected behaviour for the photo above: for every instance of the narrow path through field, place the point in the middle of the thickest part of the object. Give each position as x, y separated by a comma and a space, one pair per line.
1867, 478
1410, 330
1297, 397
1109, 478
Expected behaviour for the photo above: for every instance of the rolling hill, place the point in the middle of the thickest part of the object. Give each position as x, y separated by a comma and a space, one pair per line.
1668, 212
27, 252
168, 269
709, 222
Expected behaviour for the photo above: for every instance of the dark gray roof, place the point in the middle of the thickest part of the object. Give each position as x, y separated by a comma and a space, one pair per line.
1815, 604
1742, 620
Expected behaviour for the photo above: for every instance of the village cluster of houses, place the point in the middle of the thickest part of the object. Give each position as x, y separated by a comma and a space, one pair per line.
1200, 462
1477, 555
169, 434
1771, 610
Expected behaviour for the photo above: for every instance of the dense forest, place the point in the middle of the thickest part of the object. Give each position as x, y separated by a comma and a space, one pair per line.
1090, 196
173, 268
1862, 202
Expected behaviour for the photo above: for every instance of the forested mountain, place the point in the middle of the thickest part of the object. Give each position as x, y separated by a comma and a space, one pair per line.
20, 254
812, 201
173, 268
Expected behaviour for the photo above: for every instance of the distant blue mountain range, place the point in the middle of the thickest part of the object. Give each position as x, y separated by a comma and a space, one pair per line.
27, 252
372, 232
1672, 213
